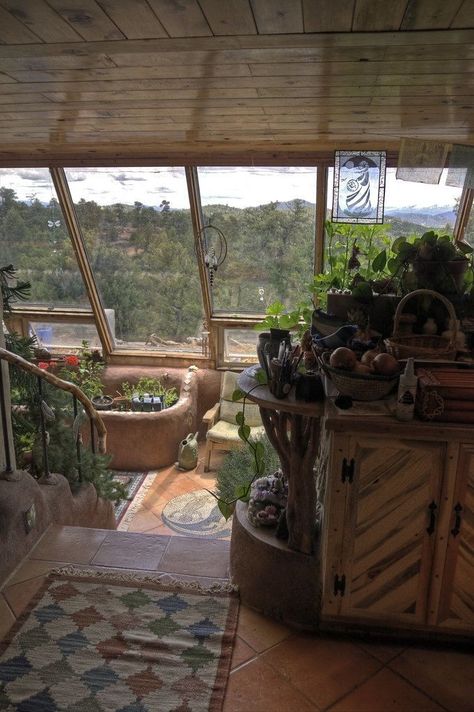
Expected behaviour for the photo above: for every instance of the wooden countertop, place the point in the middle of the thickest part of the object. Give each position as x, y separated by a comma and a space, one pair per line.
388, 425
352, 421
262, 396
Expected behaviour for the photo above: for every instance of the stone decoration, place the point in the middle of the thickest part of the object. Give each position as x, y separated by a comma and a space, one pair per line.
268, 497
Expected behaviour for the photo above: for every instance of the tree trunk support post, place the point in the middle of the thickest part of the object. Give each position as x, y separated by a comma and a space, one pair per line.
293, 429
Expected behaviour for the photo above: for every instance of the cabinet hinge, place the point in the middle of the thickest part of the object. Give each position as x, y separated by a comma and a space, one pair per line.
432, 514
347, 470
457, 522
339, 584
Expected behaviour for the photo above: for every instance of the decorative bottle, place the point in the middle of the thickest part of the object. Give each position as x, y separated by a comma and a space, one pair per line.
407, 392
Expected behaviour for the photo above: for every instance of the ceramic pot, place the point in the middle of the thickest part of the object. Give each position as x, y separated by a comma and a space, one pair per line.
432, 271
309, 387
188, 452
280, 335
263, 339
102, 402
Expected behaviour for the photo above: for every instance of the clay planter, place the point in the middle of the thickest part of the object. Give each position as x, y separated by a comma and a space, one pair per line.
102, 402
431, 271
263, 339
269, 342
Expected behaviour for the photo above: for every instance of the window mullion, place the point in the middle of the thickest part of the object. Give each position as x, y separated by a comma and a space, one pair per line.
321, 200
464, 212
72, 224
197, 222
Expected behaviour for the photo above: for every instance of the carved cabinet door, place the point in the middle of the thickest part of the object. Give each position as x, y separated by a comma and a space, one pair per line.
390, 490
452, 600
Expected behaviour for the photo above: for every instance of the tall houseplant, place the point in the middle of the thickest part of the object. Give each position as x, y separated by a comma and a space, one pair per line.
431, 261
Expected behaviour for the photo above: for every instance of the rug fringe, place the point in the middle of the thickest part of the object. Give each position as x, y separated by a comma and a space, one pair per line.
135, 577
136, 504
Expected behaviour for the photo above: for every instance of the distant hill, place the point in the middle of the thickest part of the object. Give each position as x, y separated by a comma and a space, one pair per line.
289, 204
434, 216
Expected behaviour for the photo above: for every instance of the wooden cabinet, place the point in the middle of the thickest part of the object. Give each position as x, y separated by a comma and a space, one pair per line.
452, 593
398, 532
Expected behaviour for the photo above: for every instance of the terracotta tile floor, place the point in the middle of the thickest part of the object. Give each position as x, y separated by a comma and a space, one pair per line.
274, 668
171, 482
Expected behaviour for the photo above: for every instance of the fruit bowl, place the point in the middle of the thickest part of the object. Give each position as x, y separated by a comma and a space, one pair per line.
359, 386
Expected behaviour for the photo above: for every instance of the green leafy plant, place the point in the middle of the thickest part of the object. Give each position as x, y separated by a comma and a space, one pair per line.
62, 448
236, 469
11, 293
278, 317
256, 448
425, 262
152, 386
355, 250
85, 370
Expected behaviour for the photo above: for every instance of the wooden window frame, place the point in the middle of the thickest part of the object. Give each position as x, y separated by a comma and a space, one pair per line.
216, 323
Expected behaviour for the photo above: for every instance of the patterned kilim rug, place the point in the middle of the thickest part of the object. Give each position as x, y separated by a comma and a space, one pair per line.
137, 485
96, 642
196, 514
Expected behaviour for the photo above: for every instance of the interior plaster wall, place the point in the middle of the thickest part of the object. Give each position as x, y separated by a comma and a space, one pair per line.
20, 494
52, 504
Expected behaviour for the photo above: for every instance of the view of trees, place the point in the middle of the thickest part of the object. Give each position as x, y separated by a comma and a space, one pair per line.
144, 260
145, 268
270, 255
34, 239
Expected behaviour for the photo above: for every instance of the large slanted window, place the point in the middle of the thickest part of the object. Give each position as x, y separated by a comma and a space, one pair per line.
34, 238
137, 229
267, 215
411, 209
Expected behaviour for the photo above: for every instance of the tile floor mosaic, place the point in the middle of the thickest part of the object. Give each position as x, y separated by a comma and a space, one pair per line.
274, 667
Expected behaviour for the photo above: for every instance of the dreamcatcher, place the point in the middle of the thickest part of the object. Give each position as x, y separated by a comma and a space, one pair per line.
214, 248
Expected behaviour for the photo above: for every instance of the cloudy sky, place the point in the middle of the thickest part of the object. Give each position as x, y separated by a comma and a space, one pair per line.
239, 187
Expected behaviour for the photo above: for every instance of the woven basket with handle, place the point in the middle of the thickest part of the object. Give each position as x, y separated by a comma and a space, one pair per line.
422, 345
359, 386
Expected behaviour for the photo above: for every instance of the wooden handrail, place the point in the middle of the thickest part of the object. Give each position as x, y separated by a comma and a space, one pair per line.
64, 386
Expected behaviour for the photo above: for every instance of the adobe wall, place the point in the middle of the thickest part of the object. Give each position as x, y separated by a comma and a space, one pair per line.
148, 441
54, 504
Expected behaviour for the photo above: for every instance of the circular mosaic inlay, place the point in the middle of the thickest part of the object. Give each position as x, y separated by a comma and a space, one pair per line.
195, 514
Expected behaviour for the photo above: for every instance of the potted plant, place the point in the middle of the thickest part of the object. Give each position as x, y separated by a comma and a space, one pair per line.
430, 262
102, 402
275, 328
278, 320
151, 390
85, 370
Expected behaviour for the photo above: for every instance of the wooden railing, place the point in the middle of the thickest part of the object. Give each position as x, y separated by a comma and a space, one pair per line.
96, 422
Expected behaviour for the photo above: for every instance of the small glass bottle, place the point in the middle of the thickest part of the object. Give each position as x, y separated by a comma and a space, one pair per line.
407, 392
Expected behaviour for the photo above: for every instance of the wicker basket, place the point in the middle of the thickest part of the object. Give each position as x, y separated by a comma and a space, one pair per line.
422, 345
357, 385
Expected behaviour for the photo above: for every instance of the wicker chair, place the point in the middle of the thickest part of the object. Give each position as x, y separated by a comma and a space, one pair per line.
222, 430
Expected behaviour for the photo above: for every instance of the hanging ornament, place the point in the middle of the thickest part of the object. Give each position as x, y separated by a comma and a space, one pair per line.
214, 247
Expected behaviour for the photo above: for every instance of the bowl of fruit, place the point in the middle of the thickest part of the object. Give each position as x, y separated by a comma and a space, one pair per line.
372, 377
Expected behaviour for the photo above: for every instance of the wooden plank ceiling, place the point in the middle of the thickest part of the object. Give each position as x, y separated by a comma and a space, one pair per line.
88, 80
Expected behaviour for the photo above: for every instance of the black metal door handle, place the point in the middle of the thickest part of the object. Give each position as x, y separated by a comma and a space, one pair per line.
431, 526
457, 521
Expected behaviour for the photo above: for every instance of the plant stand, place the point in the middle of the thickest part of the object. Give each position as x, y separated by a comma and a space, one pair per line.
293, 429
